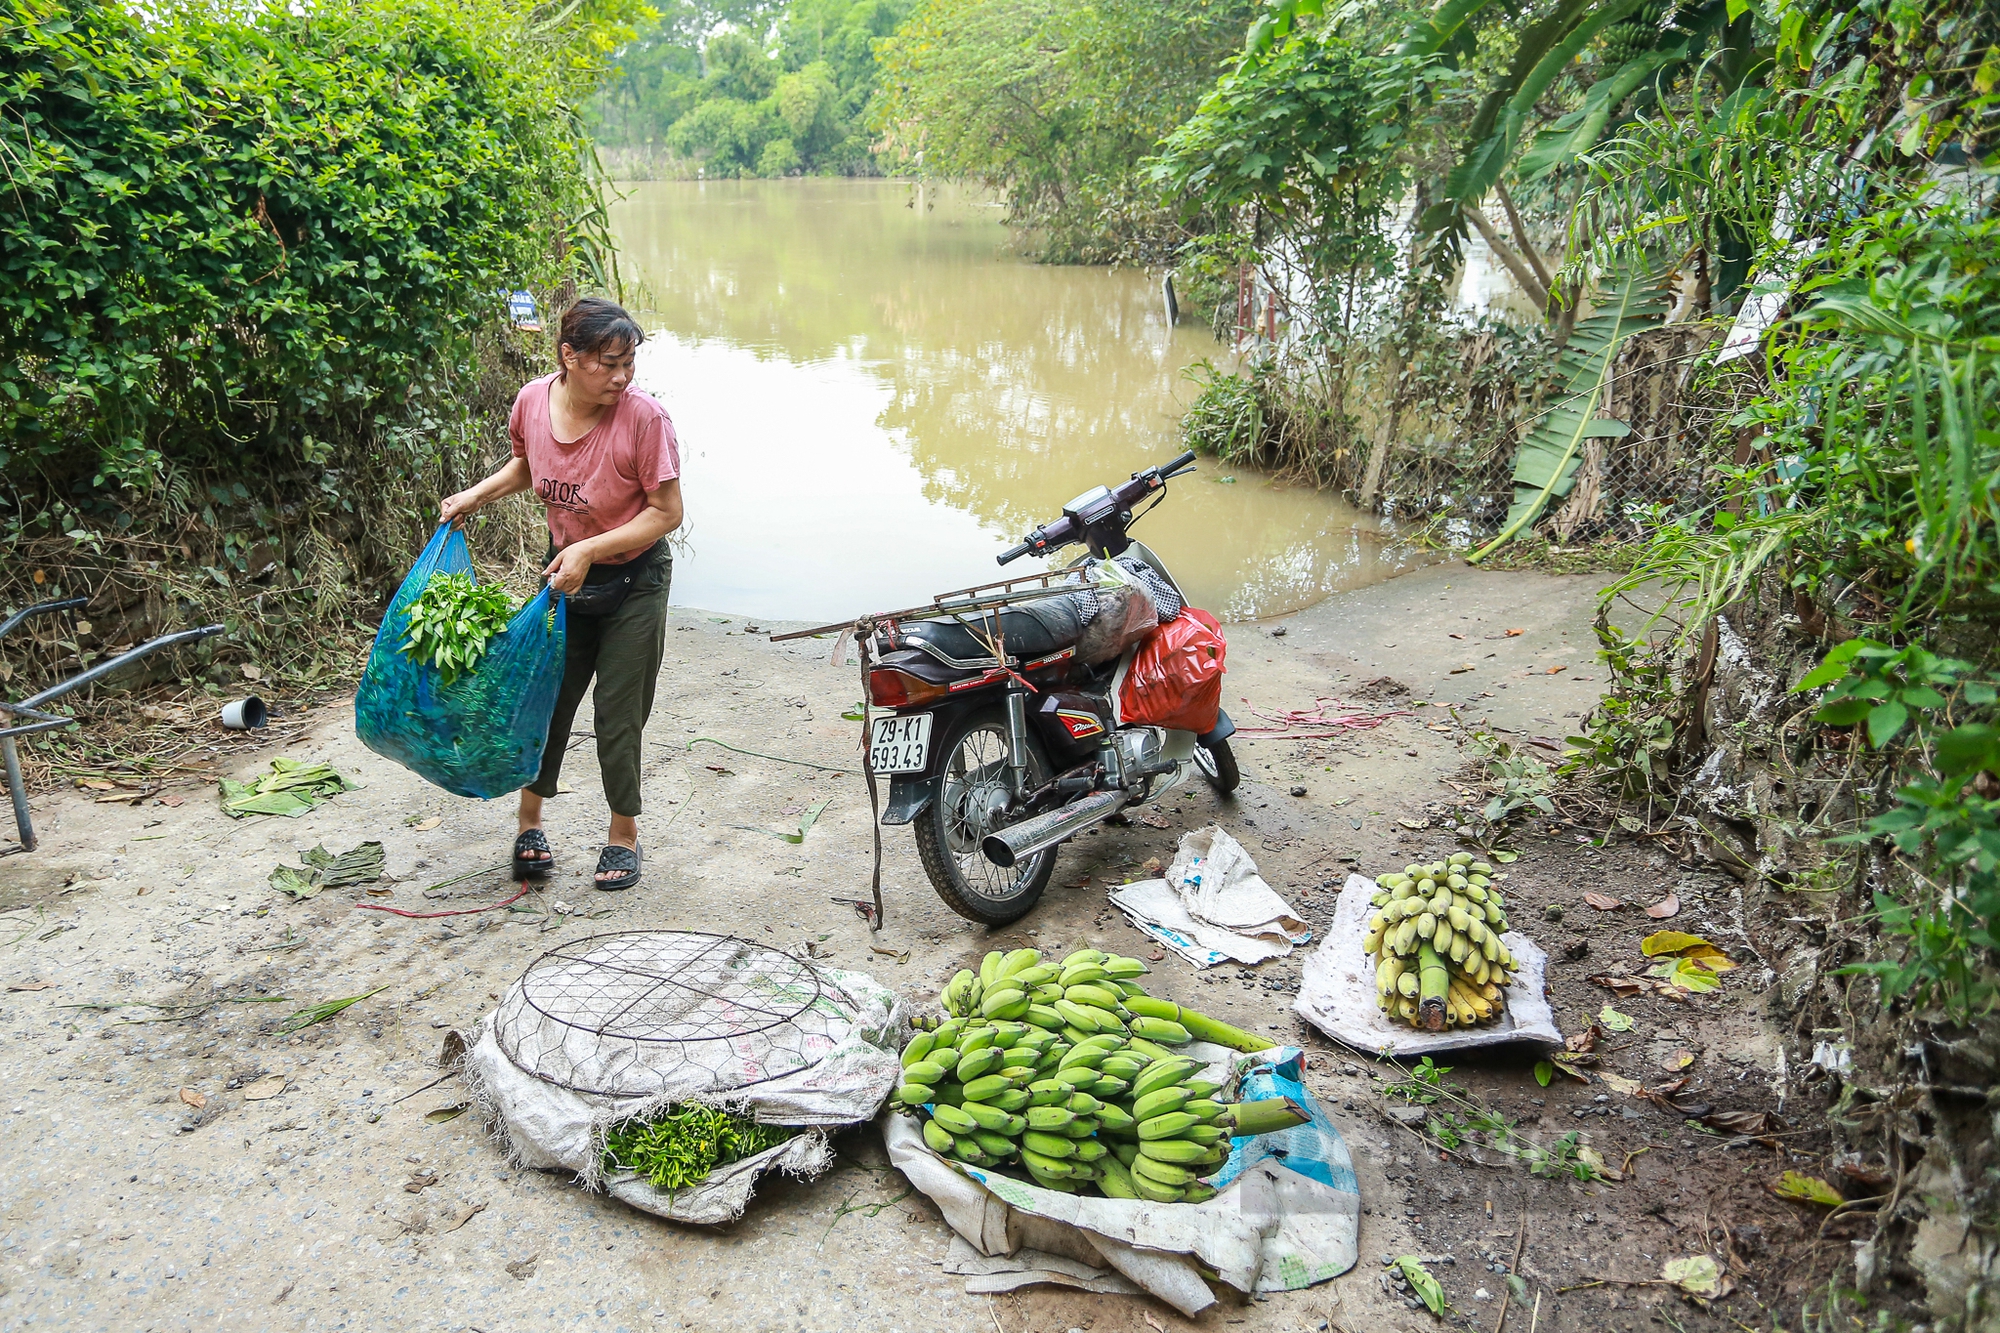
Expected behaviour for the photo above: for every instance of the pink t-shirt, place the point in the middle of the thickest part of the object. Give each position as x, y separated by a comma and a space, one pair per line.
599, 482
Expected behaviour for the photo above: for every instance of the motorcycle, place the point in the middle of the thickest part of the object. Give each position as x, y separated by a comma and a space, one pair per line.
1000, 738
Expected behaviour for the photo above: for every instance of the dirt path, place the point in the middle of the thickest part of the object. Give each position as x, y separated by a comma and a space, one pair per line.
145, 1188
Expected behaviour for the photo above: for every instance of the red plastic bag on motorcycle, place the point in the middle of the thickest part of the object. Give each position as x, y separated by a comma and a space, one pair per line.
1175, 679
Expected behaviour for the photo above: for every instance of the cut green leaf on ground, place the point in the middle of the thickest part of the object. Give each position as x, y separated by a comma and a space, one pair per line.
1807, 1189
1422, 1283
319, 1013
324, 870
291, 788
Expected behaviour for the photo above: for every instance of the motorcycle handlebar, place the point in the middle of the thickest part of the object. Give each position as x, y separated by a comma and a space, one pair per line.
1050, 536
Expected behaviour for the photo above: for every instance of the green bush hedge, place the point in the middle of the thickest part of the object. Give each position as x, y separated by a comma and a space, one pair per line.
234, 242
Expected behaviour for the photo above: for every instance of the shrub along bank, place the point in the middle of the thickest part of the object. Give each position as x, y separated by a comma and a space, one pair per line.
252, 296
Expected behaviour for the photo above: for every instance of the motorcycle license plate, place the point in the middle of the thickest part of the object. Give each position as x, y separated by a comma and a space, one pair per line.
901, 743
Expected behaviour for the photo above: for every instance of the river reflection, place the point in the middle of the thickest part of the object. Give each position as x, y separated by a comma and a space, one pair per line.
875, 395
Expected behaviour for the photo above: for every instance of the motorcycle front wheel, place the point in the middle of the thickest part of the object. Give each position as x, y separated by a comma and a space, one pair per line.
971, 803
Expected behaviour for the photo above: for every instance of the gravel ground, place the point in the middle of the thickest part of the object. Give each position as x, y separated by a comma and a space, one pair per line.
156, 1178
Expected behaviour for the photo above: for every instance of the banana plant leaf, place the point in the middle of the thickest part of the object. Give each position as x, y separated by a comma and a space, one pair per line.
1578, 132
1552, 49
324, 870
1546, 463
291, 788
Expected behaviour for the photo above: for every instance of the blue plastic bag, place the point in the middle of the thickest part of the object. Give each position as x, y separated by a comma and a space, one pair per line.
483, 735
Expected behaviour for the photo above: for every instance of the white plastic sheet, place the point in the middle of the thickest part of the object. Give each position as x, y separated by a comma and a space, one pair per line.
1213, 907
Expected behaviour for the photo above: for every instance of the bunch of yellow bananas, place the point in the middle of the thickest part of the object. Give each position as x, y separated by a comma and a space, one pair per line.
1435, 936
1065, 1069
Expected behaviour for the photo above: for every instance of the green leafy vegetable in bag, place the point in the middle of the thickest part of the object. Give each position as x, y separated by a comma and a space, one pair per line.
452, 620
681, 1147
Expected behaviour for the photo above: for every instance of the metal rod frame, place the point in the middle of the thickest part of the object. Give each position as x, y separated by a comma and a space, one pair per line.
30, 707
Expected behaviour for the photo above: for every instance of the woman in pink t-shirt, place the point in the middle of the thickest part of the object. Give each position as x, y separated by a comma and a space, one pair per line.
602, 457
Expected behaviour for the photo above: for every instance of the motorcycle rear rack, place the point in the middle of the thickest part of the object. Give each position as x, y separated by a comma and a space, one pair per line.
961, 603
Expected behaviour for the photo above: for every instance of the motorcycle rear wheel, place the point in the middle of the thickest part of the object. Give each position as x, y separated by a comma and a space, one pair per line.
1217, 763
970, 798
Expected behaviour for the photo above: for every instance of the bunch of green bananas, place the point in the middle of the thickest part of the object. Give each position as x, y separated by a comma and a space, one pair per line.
1065, 1069
1436, 940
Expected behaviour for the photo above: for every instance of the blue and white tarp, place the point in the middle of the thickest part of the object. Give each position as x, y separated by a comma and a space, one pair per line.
1288, 1213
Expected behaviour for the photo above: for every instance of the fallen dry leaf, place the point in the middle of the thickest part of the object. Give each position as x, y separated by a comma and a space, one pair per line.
1622, 987
1153, 821
1156, 956
1665, 908
1554, 669
1454, 636
96, 784
1677, 1059
381, 892
31, 985
172, 800
1618, 1083
1515, 633
421, 1181
264, 1088
1593, 1159
193, 1098
1700, 1277
1152, 866
1750, 1123
465, 1214
251, 672
1584, 1042
1603, 902
1153, 1323
426, 825
1461, 670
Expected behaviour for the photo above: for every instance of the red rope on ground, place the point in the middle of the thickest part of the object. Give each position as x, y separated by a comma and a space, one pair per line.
1316, 716
463, 911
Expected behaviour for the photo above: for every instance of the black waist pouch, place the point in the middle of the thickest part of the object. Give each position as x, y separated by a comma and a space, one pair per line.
606, 587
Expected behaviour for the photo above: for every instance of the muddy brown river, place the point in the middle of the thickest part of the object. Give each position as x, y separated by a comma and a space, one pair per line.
875, 394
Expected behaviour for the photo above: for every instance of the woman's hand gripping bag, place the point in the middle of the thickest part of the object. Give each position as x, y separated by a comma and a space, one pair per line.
482, 735
1175, 678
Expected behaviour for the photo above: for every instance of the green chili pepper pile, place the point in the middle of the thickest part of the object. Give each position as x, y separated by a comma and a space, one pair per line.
681, 1147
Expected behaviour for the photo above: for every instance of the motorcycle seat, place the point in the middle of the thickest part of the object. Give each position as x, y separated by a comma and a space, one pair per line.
1032, 629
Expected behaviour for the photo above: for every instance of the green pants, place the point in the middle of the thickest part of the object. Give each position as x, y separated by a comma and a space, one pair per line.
623, 651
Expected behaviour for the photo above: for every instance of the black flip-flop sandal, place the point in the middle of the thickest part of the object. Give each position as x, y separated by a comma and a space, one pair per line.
533, 867
625, 860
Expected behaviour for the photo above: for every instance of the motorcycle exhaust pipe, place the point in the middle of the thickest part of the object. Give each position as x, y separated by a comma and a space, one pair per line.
1015, 844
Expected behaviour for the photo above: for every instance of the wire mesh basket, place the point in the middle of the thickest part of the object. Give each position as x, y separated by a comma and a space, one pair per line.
646, 1013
